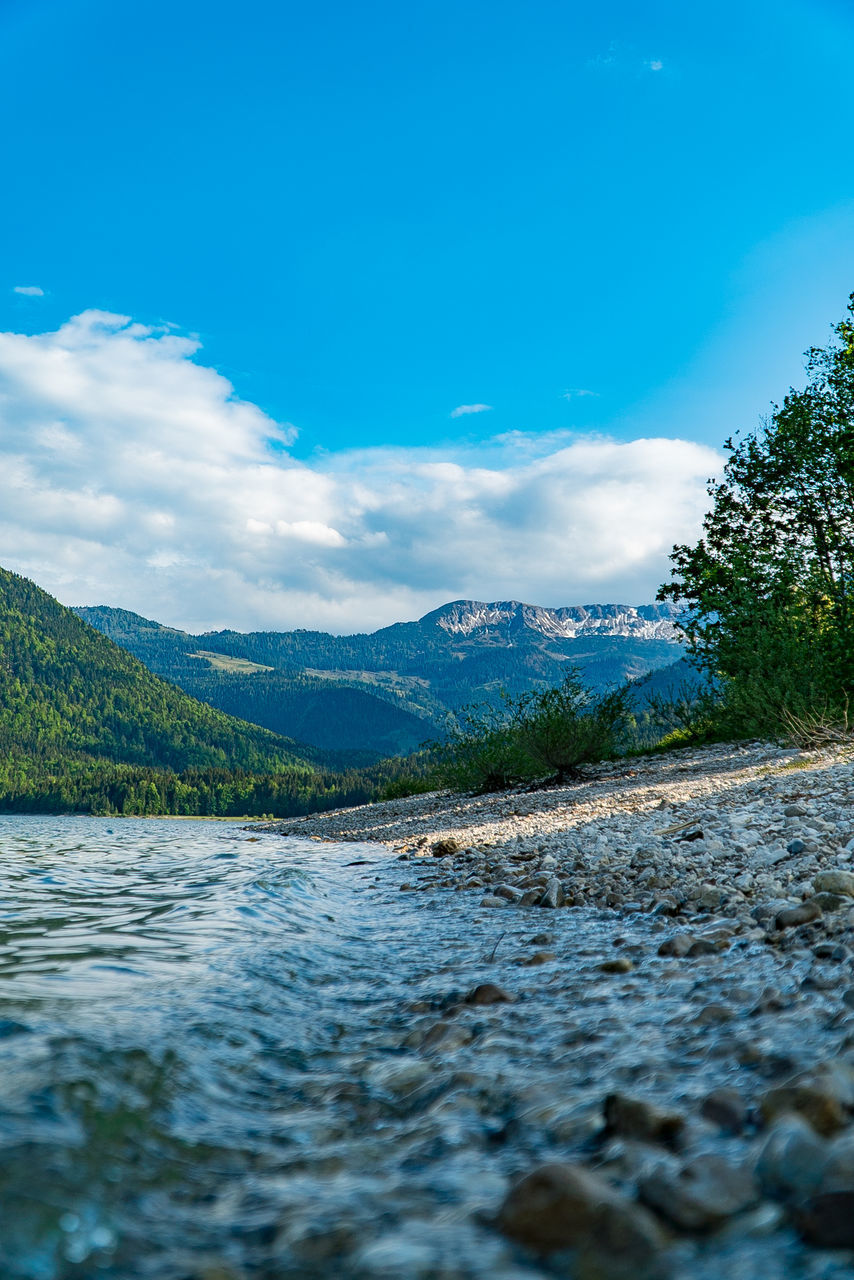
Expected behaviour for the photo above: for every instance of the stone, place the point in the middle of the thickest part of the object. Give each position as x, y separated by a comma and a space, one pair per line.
838, 1172
789, 917
795, 847
553, 895
831, 902
795, 811
564, 1206
725, 1108
539, 957
488, 993
530, 898
507, 892
621, 965
491, 901
827, 1219
824, 1097
700, 1194
679, 945
630, 1117
446, 1035
841, 882
791, 1162
445, 848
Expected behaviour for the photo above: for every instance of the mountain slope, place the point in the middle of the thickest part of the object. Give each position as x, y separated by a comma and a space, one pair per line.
66, 690
388, 691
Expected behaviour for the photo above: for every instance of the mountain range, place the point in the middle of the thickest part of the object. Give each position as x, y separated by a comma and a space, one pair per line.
359, 698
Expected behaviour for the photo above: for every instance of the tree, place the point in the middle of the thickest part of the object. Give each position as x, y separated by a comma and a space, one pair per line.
768, 587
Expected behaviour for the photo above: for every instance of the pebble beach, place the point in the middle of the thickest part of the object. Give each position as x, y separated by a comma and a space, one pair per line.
668, 965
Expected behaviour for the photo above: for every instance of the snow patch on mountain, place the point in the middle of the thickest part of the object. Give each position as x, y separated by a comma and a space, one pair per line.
641, 622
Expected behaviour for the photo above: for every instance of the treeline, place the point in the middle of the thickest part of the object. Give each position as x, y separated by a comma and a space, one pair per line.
69, 785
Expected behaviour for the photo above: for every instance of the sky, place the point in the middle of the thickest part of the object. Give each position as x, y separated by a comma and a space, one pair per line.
324, 315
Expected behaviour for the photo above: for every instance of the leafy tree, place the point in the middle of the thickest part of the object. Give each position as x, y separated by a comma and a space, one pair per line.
768, 587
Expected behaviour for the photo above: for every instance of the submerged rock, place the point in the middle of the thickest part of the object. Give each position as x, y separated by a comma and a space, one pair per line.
699, 1194
636, 1118
563, 1206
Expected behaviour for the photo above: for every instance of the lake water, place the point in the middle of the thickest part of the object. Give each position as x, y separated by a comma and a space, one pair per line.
214, 1063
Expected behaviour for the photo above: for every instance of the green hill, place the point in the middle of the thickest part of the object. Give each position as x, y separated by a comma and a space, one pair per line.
85, 725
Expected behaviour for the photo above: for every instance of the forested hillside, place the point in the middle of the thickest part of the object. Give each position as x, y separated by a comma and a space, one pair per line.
84, 725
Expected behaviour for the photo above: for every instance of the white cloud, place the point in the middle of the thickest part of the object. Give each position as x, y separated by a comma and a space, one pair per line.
655, 64
463, 409
578, 393
132, 475
29, 290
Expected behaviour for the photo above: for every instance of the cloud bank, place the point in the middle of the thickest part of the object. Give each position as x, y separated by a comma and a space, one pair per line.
132, 475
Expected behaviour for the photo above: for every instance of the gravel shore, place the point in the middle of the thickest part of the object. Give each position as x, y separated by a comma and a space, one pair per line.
675, 934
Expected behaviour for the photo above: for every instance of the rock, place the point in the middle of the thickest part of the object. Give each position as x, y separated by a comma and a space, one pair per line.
621, 965
539, 957
791, 1162
530, 898
491, 901
508, 892
563, 1206
553, 895
827, 1219
841, 882
789, 917
636, 1118
726, 1108
824, 1097
687, 944
831, 901
488, 993
838, 1174
700, 1194
446, 1035
541, 939
444, 848
795, 847
679, 945
795, 811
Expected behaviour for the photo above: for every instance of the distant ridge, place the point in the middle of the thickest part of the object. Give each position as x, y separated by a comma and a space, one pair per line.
387, 691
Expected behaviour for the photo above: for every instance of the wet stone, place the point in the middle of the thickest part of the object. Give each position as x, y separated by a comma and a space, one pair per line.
488, 993
700, 1194
827, 1219
631, 1117
725, 1108
621, 965
789, 917
792, 1159
562, 1206
825, 1098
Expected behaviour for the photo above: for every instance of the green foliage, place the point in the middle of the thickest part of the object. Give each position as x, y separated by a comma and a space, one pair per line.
768, 588
544, 732
86, 727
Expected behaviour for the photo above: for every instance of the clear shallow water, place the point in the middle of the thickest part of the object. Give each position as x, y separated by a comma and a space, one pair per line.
213, 1061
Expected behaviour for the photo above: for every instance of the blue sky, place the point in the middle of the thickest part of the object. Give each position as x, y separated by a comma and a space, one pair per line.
628, 222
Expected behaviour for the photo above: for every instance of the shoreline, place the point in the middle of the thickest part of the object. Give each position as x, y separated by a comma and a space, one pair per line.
694, 831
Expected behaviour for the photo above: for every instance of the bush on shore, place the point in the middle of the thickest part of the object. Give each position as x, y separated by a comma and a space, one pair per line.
542, 736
